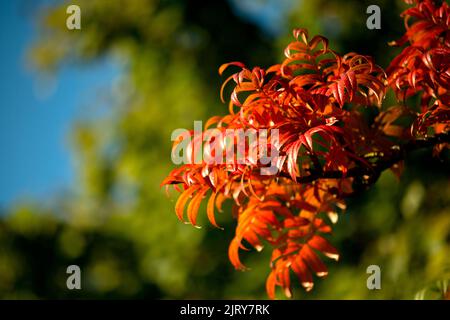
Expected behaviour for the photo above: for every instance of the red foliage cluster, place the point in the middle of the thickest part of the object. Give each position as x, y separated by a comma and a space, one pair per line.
315, 99
423, 67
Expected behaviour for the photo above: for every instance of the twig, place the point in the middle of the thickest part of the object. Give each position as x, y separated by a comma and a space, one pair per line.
395, 155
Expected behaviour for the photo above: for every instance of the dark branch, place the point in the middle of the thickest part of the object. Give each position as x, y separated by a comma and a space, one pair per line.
385, 160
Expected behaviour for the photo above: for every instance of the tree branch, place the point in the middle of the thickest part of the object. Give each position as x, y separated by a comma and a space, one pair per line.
395, 155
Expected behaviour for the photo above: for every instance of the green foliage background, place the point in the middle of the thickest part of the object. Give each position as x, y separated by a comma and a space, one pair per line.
119, 226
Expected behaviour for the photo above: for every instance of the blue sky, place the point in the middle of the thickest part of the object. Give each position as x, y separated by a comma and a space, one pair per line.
35, 159
269, 15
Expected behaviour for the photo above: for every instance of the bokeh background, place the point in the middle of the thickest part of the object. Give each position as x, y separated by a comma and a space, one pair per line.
85, 124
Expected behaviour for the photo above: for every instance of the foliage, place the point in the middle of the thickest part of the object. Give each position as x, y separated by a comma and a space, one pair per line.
326, 149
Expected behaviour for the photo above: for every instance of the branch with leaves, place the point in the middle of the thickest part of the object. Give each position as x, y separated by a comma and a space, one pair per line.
381, 161
316, 99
